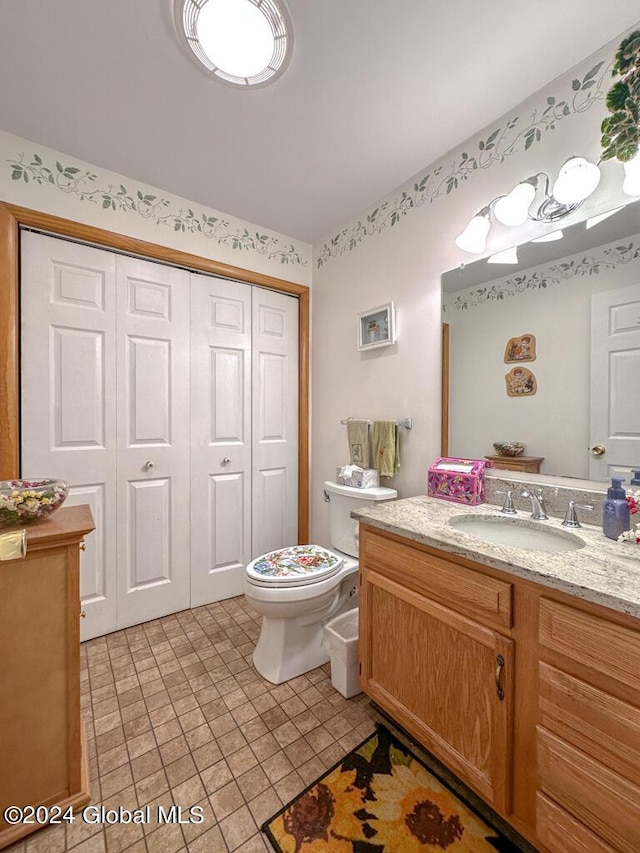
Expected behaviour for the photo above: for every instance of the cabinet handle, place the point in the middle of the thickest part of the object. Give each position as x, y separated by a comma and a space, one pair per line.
499, 668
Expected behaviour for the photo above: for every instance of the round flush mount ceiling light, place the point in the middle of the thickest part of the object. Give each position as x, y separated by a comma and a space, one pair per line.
242, 42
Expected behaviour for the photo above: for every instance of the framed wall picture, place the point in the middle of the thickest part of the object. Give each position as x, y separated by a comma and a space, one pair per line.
377, 327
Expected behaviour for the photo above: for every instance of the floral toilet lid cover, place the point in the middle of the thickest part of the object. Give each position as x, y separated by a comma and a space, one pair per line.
296, 565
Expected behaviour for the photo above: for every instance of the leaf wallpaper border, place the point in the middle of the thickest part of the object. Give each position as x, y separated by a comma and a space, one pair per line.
607, 259
84, 185
517, 135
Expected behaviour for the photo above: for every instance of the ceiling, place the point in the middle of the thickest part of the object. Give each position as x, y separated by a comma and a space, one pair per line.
376, 91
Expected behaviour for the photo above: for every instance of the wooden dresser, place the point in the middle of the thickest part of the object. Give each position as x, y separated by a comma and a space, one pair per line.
42, 744
529, 464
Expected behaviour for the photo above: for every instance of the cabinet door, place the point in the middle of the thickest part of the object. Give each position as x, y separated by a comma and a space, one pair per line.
443, 677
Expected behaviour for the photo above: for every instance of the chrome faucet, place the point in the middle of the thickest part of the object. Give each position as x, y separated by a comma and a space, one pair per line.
571, 518
538, 508
507, 507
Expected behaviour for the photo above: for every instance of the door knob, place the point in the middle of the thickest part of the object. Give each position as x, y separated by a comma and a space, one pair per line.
226, 460
149, 464
598, 450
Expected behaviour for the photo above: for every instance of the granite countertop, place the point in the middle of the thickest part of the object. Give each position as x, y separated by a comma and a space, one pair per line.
603, 571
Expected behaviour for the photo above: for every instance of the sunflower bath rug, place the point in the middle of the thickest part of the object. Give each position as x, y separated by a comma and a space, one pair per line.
380, 799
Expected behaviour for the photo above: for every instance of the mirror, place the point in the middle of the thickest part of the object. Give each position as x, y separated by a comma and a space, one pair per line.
546, 352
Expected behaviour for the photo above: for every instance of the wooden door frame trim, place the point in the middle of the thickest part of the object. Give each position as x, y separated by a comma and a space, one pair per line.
444, 418
12, 218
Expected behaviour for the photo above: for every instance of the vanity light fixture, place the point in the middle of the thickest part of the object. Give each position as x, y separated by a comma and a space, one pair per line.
576, 181
474, 237
245, 43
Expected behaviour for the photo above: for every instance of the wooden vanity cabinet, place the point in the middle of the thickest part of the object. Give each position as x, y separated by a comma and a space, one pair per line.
444, 675
559, 755
43, 758
588, 732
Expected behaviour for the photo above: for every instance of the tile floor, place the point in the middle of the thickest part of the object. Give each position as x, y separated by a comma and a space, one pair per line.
176, 714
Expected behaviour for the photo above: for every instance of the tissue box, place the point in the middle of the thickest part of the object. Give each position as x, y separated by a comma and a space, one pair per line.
361, 478
459, 480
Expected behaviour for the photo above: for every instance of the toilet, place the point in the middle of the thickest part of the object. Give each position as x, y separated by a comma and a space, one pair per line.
299, 588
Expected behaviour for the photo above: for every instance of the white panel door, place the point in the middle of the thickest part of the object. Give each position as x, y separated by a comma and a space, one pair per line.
153, 459
275, 421
615, 381
68, 357
220, 437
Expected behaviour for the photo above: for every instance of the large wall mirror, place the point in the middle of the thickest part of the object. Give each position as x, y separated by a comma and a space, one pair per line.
574, 398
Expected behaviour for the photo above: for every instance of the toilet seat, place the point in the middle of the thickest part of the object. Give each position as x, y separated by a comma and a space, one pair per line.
297, 565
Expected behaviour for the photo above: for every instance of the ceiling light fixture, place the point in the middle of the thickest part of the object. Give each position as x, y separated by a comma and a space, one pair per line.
576, 181
242, 42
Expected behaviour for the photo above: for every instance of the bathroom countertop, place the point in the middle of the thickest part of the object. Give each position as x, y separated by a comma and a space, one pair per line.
603, 571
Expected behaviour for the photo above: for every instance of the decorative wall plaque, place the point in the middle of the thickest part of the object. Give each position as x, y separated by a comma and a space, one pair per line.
520, 349
521, 382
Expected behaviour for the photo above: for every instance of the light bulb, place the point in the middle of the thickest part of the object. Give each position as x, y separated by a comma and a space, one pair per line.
577, 180
509, 256
631, 185
236, 36
513, 209
474, 237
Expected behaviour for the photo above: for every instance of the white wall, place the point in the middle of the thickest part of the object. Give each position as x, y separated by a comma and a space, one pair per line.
52, 182
382, 256
553, 423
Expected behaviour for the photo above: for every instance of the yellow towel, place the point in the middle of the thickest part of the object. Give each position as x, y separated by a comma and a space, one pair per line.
386, 450
358, 438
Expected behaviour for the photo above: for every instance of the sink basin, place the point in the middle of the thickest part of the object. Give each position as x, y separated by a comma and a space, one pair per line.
516, 533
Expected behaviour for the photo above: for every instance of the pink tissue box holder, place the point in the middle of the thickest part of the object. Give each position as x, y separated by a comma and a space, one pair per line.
460, 486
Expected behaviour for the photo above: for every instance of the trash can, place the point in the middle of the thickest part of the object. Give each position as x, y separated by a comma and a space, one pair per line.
341, 641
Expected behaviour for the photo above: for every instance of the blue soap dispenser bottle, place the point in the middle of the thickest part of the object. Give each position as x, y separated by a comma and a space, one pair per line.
616, 517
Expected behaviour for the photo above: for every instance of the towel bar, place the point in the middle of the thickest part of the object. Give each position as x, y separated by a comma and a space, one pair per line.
407, 423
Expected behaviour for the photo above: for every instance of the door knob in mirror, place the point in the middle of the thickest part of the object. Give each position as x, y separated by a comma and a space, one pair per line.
598, 450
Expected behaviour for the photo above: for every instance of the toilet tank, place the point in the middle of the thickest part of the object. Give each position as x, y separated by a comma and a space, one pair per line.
342, 500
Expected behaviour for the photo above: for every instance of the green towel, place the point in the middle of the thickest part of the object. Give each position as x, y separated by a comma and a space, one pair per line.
358, 438
386, 450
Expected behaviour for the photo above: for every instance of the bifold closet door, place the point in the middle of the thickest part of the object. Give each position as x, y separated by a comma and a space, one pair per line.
244, 431
68, 392
275, 421
105, 406
153, 440
220, 437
